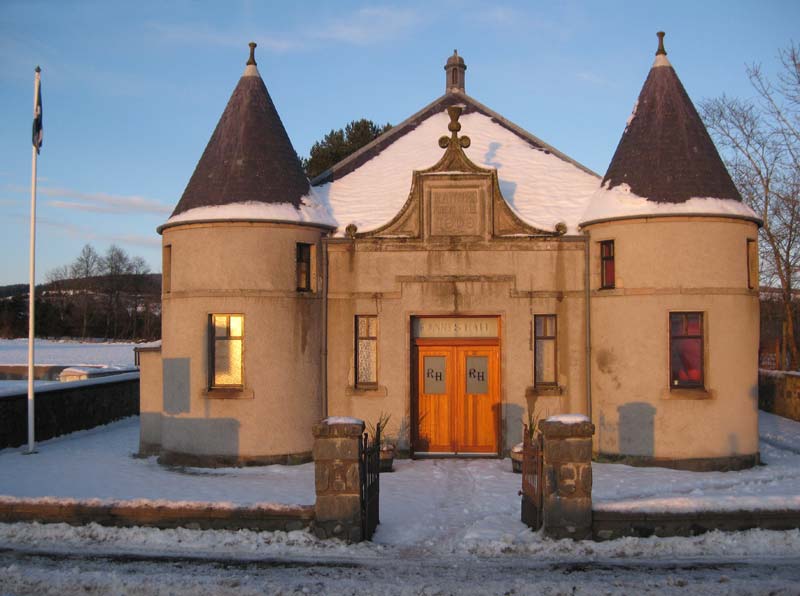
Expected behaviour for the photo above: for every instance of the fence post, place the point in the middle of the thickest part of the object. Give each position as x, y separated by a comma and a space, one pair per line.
337, 479
567, 471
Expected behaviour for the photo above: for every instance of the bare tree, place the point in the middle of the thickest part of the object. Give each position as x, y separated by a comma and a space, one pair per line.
760, 143
85, 266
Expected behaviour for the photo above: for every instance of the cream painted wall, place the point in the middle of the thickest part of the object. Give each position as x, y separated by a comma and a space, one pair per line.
668, 265
246, 268
512, 279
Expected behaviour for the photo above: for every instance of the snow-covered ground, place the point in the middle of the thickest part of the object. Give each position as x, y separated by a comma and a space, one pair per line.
447, 526
15, 351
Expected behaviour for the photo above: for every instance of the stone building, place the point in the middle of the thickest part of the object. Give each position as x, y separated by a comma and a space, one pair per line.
459, 274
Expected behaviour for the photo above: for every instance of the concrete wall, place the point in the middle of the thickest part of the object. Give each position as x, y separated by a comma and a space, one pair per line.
779, 393
510, 278
151, 402
67, 407
249, 269
665, 265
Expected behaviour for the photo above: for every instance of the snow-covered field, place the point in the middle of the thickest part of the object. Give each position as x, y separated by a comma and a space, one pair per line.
15, 351
447, 527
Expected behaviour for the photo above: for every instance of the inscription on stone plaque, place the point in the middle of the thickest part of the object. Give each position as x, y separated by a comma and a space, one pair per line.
455, 212
455, 327
434, 375
477, 375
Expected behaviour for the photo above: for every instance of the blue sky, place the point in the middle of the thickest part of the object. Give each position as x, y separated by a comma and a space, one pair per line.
132, 90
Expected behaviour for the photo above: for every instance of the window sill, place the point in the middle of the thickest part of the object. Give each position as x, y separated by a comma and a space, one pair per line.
688, 393
540, 390
369, 391
228, 393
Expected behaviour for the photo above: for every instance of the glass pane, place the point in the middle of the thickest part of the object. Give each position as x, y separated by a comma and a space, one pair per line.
545, 365
687, 362
694, 324
227, 362
676, 324
302, 276
545, 325
220, 325
539, 325
607, 249
373, 326
367, 368
237, 325
478, 374
363, 326
608, 273
434, 374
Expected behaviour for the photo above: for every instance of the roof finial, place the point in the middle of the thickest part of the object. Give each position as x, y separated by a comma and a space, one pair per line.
252, 59
661, 51
454, 126
455, 67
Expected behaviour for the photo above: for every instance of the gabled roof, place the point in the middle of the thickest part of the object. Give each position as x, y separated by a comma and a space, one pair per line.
438, 106
666, 154
543, 186
249, 158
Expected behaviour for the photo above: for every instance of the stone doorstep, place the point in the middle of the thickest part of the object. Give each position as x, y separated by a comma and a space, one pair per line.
158, 516
609, 525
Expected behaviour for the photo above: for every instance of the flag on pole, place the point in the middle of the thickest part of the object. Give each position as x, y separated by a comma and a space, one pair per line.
37, 113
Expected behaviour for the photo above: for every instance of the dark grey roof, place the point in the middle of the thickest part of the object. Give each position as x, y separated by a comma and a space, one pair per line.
249, 156
666, 154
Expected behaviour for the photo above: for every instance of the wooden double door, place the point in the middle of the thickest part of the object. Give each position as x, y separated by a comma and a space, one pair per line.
457, 398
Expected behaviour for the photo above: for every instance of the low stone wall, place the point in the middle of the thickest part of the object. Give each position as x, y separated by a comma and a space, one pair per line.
610, 525
567, 476
202, 516
66, 407
779, 393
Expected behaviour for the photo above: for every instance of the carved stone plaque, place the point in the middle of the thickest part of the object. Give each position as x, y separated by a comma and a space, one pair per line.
455, 212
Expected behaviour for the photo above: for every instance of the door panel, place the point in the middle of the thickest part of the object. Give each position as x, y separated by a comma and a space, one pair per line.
458, 399
435, 386
477, 400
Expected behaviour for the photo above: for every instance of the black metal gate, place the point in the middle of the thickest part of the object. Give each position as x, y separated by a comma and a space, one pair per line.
532, 480
369, 460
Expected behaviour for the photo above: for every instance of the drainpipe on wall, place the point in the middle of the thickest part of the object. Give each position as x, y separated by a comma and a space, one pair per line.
324, 347
587, 284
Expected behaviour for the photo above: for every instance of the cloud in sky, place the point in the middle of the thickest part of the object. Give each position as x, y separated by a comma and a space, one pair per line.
99, 202
201, 33
87, 233
366, 26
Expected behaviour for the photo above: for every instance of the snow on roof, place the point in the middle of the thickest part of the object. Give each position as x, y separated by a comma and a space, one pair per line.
569, 418
310, 211
621, 202
541, 187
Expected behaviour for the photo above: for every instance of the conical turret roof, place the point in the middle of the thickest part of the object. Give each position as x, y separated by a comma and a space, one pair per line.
666, 154
249, 158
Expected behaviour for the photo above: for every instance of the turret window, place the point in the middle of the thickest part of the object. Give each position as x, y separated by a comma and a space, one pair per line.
607, 277
752, 264
226, 351
304, 267
686, 349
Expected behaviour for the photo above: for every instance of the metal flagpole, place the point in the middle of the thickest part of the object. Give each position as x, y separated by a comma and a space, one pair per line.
37, 112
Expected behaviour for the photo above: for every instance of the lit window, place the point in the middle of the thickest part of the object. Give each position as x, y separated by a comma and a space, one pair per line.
607, 264
544, 350
686, 349
366, 350
303, 267
752, 264
226, 350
